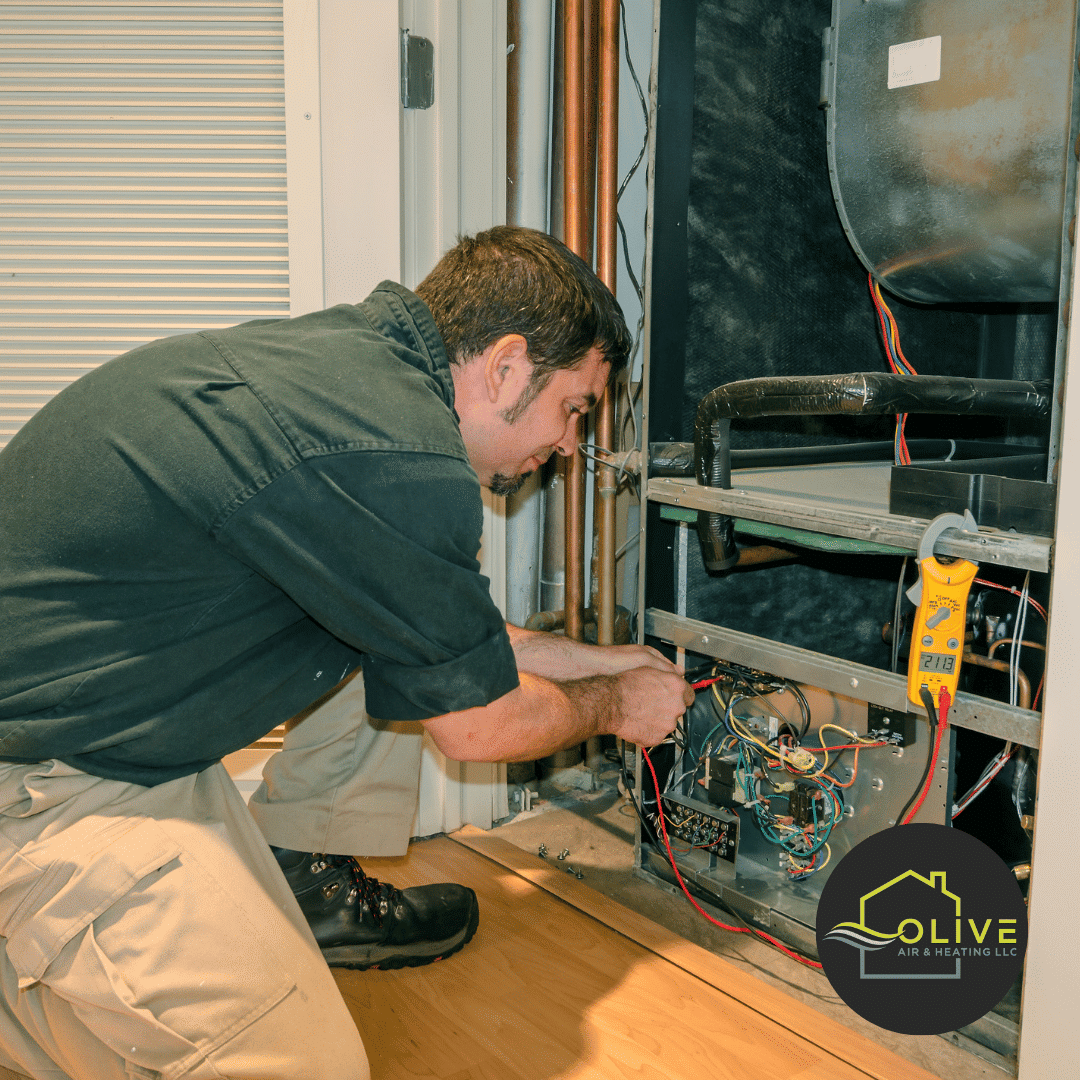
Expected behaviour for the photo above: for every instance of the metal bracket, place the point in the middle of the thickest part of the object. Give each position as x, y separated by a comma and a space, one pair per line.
417, 72
930, 537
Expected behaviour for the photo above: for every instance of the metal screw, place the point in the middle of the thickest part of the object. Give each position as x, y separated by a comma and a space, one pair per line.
542, 851
577, 873
565, 851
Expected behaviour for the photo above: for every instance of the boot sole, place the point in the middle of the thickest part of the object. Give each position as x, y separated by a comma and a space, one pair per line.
383, 957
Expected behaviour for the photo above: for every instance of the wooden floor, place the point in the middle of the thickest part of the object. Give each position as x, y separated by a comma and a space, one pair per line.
562, 982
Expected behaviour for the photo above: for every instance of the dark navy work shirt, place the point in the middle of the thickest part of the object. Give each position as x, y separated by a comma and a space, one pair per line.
202, 536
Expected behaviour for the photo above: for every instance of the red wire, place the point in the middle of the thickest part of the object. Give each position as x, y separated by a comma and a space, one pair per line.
902, 451
1035, 604
705, 682
881, 320
715, 922
1015, 591
843, 746
944, 701
905, 453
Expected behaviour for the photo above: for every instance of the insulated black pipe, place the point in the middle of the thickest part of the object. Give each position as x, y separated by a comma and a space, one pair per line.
868, 393
677, 458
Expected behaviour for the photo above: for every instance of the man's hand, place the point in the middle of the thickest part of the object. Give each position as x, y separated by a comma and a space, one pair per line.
651, 701
641, 704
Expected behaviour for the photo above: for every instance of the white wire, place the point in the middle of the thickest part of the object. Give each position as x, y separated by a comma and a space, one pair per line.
995, 766
1022, 767
1017, 641
629, 544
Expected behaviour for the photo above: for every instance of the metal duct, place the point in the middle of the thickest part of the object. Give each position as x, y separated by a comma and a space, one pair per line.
947, 128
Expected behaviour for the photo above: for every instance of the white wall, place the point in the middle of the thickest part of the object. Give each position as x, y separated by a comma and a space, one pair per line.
342, 106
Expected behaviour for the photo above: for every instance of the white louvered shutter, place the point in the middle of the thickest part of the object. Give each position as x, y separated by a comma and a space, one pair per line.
142, 181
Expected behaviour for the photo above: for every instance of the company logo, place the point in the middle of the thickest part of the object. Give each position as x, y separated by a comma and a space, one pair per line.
921, 929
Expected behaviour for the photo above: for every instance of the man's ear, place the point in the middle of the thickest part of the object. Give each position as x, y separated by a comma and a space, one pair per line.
507, 369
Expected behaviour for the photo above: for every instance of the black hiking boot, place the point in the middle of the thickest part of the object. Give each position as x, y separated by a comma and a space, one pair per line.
360, 922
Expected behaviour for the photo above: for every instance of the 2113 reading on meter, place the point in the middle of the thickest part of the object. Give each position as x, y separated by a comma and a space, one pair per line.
943, 663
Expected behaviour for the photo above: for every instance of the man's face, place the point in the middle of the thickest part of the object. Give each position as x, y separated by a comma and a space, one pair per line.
521, 437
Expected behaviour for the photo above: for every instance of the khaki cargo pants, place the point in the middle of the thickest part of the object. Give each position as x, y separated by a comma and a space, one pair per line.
149, 932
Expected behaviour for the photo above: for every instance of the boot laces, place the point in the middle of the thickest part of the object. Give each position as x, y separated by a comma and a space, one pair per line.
376, 895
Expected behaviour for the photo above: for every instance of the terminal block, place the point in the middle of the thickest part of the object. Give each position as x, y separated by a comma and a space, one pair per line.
708, 828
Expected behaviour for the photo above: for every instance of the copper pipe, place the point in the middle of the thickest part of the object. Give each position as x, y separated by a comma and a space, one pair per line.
760, 554
574, 223
1008, 641
574, 126
549, 621
1022, 682
607, 269
591, 79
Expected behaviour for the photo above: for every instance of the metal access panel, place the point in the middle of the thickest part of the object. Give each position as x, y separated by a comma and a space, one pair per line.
948, 126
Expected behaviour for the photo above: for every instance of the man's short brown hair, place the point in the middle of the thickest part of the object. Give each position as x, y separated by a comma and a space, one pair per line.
511, 280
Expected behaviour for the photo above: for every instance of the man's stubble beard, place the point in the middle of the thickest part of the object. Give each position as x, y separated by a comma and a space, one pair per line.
507, 485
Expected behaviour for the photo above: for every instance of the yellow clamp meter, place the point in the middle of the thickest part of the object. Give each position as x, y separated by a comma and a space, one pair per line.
940, 596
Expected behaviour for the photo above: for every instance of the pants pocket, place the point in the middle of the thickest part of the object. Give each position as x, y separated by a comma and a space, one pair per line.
152, 954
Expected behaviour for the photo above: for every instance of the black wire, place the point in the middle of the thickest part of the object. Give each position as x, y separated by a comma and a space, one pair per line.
804, 705
698, 672
641, 99
637, 163
626, 257
640, 810
928, 702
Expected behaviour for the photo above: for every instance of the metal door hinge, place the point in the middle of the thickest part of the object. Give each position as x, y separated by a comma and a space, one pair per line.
417, 72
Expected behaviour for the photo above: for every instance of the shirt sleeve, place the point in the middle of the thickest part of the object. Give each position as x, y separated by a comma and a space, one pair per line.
379, 547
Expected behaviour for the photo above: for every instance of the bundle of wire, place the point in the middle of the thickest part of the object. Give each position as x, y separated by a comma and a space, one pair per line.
701, 911
898, 363
766, 769
1002, 758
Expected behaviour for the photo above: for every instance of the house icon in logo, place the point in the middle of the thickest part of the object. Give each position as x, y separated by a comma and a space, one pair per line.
908, 929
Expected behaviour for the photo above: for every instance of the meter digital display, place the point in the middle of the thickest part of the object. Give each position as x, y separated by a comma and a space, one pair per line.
940, 663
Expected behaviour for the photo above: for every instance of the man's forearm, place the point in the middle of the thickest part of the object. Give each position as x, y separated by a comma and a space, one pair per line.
532, 721
551, 656
554, 656
540, 716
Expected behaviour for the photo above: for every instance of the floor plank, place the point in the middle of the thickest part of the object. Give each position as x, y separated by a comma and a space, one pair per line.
802, 1020
548, 991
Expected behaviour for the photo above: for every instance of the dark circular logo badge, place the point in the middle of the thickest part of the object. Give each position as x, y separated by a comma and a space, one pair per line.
921, 929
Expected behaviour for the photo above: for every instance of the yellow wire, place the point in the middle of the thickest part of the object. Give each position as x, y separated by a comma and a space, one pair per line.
828, 856
743, 731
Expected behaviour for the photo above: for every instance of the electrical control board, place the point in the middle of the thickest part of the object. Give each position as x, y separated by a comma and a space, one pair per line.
771, 783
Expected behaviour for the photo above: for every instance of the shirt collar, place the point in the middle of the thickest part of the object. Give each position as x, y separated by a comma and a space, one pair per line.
399, 313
